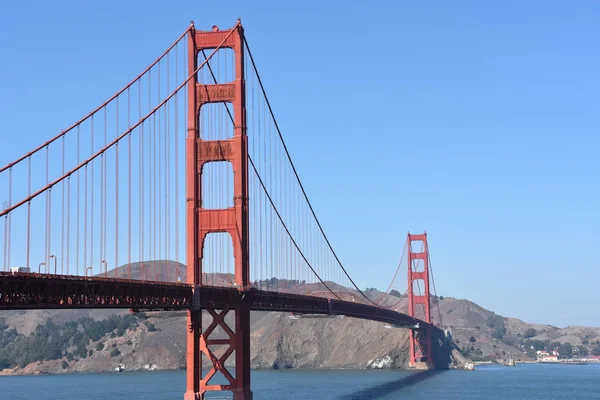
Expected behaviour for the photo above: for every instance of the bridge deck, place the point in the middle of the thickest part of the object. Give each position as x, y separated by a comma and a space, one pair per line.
42, 291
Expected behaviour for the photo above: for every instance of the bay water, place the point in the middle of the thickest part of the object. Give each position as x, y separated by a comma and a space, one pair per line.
523, 382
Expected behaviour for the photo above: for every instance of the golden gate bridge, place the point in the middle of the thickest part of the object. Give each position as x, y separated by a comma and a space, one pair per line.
95, 215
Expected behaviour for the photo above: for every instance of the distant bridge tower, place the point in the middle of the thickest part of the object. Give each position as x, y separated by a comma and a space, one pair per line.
418, 293
202, 221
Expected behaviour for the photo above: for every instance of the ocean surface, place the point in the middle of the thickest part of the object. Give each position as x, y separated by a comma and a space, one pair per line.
523, 382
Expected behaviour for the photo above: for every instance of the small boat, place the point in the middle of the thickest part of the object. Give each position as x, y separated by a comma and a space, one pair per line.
509, 361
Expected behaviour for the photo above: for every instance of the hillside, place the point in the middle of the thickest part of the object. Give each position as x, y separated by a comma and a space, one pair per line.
51, 341
496, 335
159, 340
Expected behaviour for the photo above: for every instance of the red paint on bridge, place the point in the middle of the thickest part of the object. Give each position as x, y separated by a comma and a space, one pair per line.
289, 244
420, 340
44, 291
202, 221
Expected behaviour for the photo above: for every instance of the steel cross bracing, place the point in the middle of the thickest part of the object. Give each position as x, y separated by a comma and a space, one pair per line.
97, 211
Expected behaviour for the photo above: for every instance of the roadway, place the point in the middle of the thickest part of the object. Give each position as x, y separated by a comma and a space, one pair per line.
26, 291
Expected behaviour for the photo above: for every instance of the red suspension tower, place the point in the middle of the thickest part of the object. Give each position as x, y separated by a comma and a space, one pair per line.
418, 274
233, 220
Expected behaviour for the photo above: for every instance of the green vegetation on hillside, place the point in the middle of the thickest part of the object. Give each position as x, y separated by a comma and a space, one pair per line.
496, 322
51, 341
565, 350
581, 351
529, 333
6, 337
474, 353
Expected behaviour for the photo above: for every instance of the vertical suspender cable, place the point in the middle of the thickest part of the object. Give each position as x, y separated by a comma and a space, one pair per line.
85, 215
263, 215
154, 189
104, 200
68, 224
253, 190
150, 171
62, 220
77, 231
129, 181
9, 215
176, 139
49, 217
270, 172
6, 242
7, 225
102, 178
116, 266
29, 212
92, 213
158, 193
141, 177
148, 180
47, 254
167, 171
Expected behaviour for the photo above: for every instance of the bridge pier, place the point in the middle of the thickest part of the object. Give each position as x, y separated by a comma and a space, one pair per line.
201, 344
193, 356
422, 366
242, 354
420, 349
233, 220
440, 354
420, 339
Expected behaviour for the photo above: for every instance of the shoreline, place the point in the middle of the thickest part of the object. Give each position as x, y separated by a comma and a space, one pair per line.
4, 372
560, 362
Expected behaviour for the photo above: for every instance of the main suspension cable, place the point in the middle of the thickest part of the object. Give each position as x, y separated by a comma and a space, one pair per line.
114, 141
434, 290
386, 293
76, 124
298, 177
260, 180
286, 228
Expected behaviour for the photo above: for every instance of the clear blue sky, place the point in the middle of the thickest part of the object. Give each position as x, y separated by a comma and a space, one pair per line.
477, 121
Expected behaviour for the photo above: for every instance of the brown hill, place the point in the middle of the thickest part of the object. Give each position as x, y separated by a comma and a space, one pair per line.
157, 340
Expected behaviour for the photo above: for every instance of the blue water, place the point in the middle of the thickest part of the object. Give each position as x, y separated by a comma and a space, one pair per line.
523, 382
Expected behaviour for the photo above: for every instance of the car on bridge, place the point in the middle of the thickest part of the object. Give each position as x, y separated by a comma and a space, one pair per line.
20, 270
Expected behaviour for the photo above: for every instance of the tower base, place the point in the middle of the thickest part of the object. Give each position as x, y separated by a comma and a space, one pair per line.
421, 366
